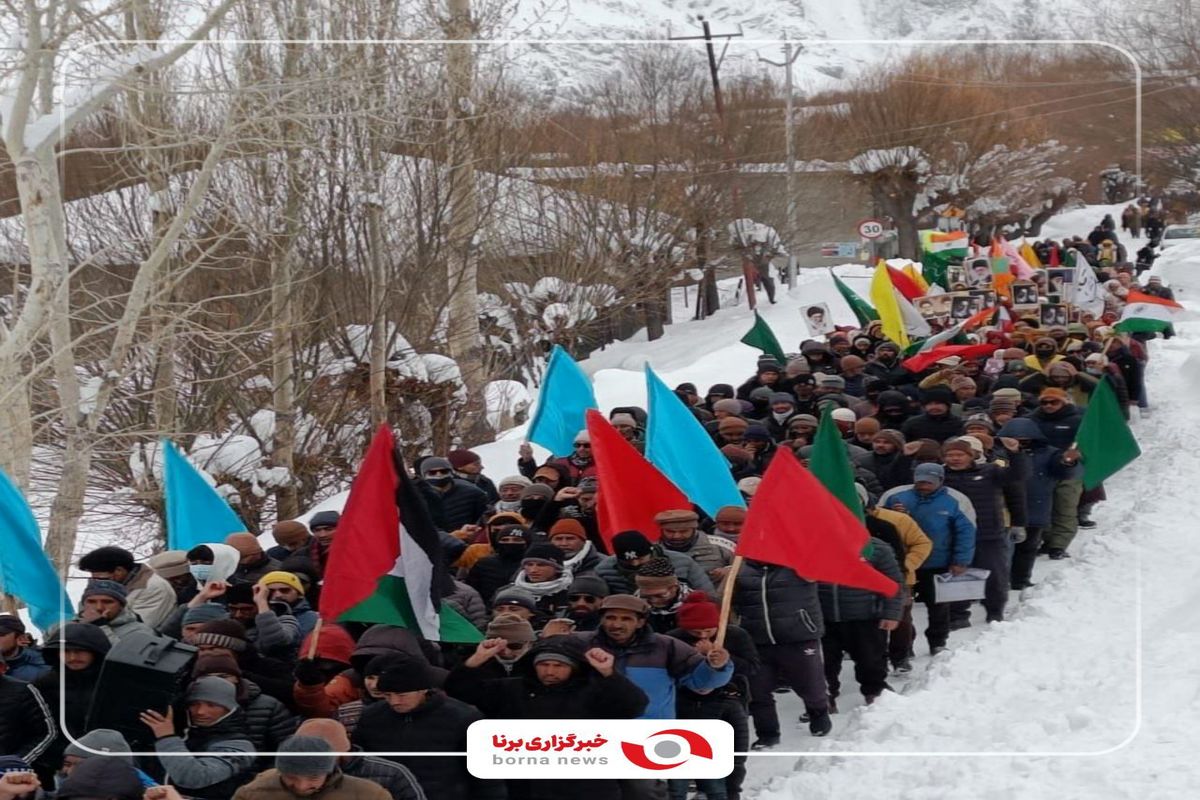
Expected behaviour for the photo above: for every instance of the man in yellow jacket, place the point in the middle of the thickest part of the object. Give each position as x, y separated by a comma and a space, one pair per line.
917, 547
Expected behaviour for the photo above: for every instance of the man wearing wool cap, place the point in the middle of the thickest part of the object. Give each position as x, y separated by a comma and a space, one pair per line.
679, 533
105, 603
306, 766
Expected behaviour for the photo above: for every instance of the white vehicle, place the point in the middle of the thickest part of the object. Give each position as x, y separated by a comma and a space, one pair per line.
1175, 233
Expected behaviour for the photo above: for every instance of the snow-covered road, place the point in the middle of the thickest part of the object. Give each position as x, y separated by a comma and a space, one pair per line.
1092, 690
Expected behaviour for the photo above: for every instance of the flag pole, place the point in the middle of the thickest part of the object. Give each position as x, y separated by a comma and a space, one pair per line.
316, 635
727, 600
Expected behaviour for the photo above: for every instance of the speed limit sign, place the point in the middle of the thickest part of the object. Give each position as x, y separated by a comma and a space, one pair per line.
870, 229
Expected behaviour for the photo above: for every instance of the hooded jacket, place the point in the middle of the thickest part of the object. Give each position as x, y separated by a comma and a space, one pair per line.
493, 572
27, 665
204, 776
850, 604
1046, 469
776, 605
917, 546
982, 485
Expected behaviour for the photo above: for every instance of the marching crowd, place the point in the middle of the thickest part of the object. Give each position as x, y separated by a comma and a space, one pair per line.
969, 463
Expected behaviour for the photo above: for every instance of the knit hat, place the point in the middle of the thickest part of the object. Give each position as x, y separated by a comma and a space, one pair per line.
378, 664
539, 489
797, 367
505, 518
852, 362
1065, 367
783, 397
10, 623
628, 545
205, 613
245, 543
928, 450
622, 418
676, 515
434, 462
961, 382
657, 573
937, 394
569, 527
831, 381
757, 433
949, 361
106, 589
415, 676
958, 444
546, 554
104, 740
217, 691
929, 473
556, 655
215, 663
1013, 354
226, 633
767, 364
169, 563
736, 455
305, 756
762, 393
748, 486
728, 405
323, 518
976, 445
589, 584
461, 458
891, 435
805, 419
289, 533
697, 611
624, 602
514, 480
1000, 405
286, 578
78, 636
843, 415
110, 778
867, 426
980, 419
1053, 392
515, 596
730, 514
511, 628
722, 389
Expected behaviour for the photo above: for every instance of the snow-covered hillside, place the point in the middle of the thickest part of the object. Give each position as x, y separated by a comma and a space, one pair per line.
813, 23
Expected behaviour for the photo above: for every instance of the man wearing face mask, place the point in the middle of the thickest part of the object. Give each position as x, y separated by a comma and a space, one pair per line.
679, 533
452, 501
489, 574
1045, 353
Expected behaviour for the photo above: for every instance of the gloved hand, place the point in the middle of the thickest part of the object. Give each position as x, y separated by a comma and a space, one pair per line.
1017, 534
308, 673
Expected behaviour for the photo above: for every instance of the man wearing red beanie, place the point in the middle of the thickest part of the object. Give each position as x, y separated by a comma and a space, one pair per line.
469, 466
698, 617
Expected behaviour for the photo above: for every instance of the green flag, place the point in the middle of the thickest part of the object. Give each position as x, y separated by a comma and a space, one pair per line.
391, 605
762, 337
863, 310
830, 463
938, 251
1104, 440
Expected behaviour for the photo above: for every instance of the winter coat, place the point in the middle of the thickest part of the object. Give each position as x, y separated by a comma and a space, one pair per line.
777, 606
943, 516
707, 553
917, 546
891, 374
483, 483
1046, 468
339, 786
306, 618
27, 727
662, 619
620, 580
252, 573
120, 626
27, 665
746, 662
924, 426
658, 665
490, 574
205, 776
462, 504
70, 706
397, 779
281, 553
982, 485
1079, 390
466, 601
1131, 370
849, 604
571, 467
149, 596
438, 725
1059, 427
268, 721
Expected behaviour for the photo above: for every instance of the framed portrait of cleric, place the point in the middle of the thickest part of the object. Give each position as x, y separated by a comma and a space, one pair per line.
932, 306
960, 306
988, 297
1061, 281
956, 276
1024, 296
817, 318
1053, 314
978, 272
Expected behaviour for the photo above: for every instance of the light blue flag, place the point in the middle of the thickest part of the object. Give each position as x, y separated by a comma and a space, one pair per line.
25, 570
562, 405
682, 450
196, 514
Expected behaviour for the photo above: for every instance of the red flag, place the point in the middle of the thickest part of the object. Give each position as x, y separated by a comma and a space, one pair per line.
1054, 260
632, 491
978, 319
824, 543
965, 351
904, 284
368, 537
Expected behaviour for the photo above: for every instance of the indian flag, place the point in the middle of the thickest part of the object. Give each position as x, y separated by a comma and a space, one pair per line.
1145, 313
938, 250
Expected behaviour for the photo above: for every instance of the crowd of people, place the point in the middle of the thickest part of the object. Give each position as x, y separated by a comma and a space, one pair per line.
969, 463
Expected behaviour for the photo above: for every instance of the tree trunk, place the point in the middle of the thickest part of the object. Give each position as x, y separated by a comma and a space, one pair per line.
16, 425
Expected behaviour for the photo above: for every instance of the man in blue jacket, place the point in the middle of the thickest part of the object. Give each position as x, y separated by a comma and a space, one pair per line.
946, 518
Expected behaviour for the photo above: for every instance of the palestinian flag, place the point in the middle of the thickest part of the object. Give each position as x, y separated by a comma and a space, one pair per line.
1145, 313
386, 564
938, 251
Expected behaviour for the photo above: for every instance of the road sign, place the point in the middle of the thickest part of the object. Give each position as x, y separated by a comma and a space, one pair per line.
839, 249
870, 229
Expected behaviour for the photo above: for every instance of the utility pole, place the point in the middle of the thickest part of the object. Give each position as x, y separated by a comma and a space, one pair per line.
748, 268
789, 55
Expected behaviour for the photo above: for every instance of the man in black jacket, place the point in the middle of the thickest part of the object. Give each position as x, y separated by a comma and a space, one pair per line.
452, 501
1059, 421
416, 717
509, 542
936, 422
26, 725
75, 652
558, 679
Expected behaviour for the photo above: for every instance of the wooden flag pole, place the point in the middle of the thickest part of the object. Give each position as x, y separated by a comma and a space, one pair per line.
316, 635
727, 600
